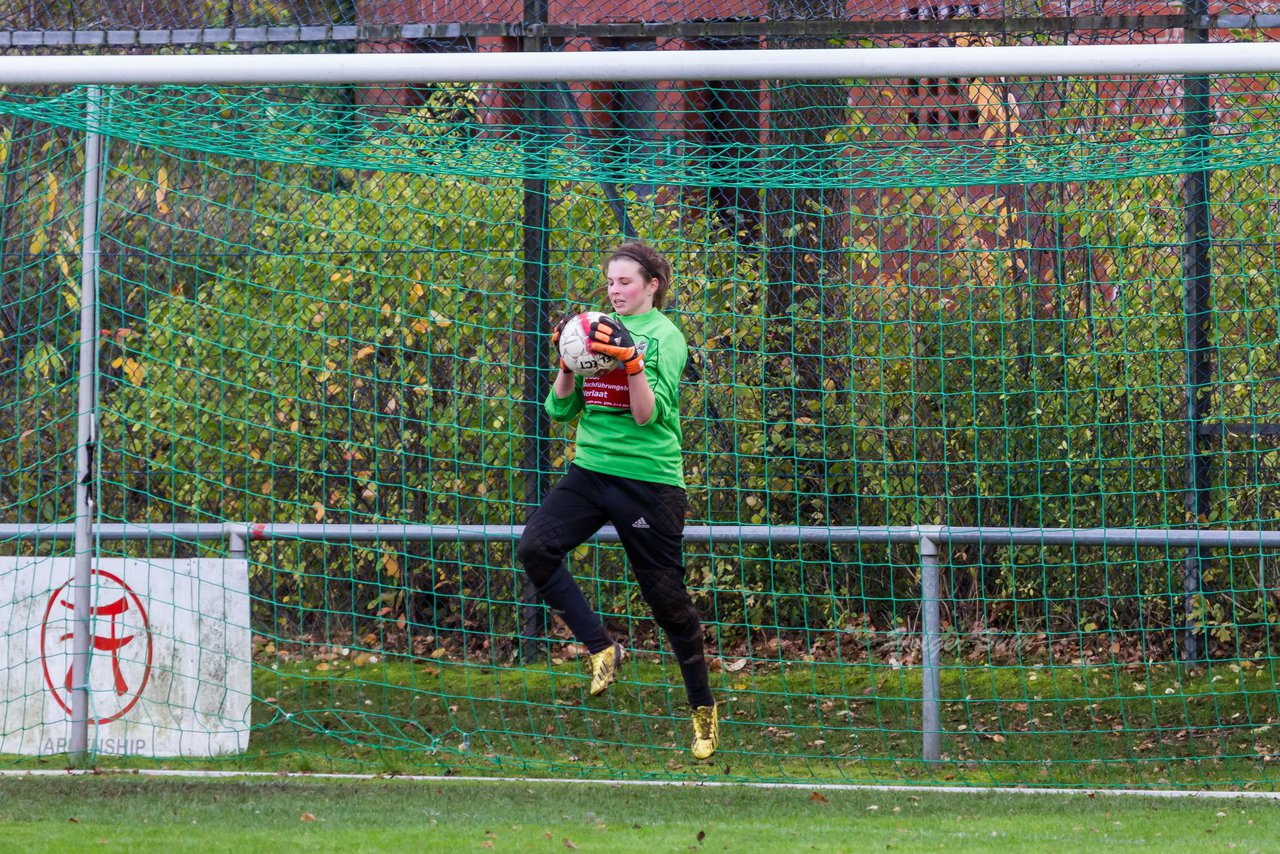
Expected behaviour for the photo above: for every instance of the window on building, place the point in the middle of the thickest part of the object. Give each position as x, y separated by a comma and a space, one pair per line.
936, 104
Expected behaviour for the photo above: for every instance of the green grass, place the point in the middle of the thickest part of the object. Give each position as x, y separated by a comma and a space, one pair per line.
1146, 725
181, 815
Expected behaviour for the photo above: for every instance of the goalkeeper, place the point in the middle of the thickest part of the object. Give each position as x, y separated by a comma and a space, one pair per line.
627, 471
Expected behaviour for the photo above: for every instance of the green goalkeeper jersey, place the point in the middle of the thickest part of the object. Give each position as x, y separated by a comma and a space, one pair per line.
609, 440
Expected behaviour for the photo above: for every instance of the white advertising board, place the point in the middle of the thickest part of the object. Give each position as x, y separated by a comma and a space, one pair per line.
169, 671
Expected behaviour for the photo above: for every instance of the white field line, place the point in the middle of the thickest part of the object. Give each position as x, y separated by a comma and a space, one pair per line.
693, 784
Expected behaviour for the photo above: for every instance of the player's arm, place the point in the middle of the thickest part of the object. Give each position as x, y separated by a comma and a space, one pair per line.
663, 372
564, 384
642, 399
611, 338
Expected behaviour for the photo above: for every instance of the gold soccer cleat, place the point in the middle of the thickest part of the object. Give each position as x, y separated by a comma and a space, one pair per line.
706, 731
604, 667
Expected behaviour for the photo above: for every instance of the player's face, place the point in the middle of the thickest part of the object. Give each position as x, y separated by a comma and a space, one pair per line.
629, 293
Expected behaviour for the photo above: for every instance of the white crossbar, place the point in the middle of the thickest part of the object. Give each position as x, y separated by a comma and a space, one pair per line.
849, 63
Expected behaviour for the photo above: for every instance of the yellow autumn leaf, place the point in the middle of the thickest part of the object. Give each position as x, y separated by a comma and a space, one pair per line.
391, 565
319, 511
162, 190
50, 197
364, 353
986, 270
134, 371
1014, 123
983, 96
38, 241
970, 40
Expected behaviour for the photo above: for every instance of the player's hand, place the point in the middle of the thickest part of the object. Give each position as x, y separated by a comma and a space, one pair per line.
609, 337
557, 328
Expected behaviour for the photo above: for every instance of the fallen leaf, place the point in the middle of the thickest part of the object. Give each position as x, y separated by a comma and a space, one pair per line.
818, 798
735, 666
702, 834
306, 816
568, 843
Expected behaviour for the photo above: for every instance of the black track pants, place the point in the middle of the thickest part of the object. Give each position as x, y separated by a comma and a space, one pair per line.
649, 518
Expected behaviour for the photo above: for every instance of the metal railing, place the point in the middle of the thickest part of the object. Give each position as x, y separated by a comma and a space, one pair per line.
928, 540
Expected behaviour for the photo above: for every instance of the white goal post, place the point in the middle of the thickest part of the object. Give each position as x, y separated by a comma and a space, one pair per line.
512, 67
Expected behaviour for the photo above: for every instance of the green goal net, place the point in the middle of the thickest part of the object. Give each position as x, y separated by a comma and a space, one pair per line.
955, 302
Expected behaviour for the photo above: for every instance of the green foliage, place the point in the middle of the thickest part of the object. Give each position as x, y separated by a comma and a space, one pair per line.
291, 342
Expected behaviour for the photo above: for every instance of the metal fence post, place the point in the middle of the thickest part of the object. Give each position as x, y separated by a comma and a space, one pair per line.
931, 651
1197, 271
86, 438
532, 616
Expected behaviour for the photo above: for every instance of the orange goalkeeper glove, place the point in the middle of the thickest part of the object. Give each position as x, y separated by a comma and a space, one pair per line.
610, 338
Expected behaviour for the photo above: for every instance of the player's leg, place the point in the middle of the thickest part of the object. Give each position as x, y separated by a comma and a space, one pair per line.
571, 513
650, 523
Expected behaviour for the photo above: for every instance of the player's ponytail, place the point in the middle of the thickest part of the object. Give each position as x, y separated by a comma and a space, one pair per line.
652, 266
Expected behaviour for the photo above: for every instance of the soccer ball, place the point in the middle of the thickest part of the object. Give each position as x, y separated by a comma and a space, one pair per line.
576, 353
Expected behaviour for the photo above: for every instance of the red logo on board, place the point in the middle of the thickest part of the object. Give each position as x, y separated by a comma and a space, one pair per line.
127, 631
